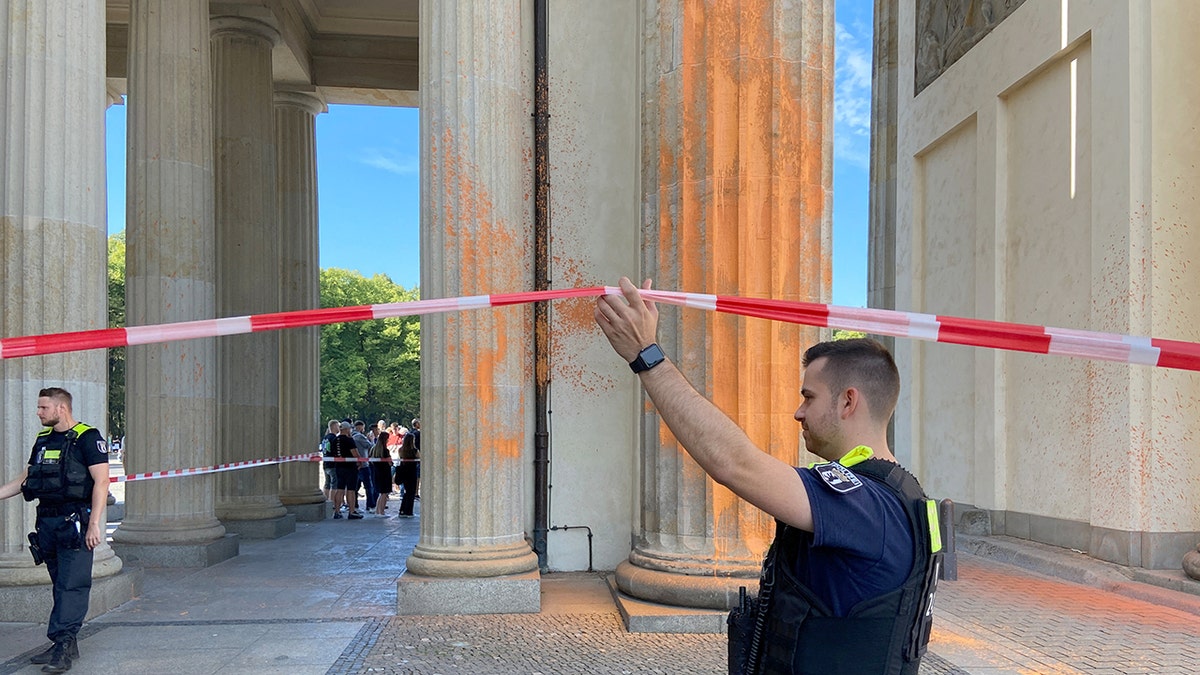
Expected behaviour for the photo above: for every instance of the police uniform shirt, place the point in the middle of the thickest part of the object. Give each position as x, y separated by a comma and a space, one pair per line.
90, 448
861, 545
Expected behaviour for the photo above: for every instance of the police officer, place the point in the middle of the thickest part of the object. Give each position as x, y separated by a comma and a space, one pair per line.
68, 475
852, 561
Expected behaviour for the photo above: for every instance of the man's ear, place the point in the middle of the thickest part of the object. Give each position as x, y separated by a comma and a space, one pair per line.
850, 400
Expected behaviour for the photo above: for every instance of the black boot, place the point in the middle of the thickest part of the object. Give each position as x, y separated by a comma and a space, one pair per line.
64, 652
43, 657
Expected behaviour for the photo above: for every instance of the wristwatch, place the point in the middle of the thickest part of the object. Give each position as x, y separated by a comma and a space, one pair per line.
647, 358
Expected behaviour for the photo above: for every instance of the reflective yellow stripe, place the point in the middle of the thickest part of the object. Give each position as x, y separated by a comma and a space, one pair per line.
935, 530
52, 454
851, 458
856, 455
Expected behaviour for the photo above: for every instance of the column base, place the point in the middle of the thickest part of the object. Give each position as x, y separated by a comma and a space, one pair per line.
441, 596
32, 604
205, 554
682, 590
640, 616
1191, 563
269, 528
309, 513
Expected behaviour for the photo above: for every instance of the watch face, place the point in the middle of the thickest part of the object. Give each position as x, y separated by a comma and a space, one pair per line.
652, 355
648, 358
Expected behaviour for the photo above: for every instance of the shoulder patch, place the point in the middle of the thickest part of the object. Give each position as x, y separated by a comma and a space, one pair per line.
837, 477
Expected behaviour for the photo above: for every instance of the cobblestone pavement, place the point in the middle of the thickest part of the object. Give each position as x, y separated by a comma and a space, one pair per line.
323, 601
548, 645
996, 619
1000, 619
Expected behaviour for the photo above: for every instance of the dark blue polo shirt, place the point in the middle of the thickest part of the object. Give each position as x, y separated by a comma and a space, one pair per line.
861, 546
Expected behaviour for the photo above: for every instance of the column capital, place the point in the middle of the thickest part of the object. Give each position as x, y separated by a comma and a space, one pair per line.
308, 101
245, 26
114, 92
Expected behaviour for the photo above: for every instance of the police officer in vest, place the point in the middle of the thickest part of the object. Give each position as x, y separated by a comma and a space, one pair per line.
848, 584
68, 475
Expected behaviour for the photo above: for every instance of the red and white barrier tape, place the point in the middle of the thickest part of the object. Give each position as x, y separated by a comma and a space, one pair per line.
946, 329
195, 471
151, 475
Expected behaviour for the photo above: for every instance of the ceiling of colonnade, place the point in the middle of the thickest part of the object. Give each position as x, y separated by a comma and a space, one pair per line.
352, 51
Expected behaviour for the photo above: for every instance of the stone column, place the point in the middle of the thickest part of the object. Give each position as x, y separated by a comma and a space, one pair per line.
736, 173
53, 272
248, 267
476, 386
299, 348
885, 104
170, 277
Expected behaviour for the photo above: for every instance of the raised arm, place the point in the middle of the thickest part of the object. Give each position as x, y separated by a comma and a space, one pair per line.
718, 445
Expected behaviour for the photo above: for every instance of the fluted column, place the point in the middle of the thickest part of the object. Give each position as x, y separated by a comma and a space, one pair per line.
885, 103
248, 267
171, 387
736, 173
299, 348
476, 386
52, 225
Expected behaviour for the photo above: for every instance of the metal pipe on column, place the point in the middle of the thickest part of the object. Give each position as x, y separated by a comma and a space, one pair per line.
541, 282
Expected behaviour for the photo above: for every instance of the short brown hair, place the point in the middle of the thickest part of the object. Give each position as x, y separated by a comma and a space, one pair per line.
58, 393
864, 364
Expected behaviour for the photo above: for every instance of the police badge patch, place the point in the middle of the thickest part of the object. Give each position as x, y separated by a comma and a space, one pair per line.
838, 477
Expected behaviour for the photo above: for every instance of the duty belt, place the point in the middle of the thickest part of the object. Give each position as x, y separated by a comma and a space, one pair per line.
62, 509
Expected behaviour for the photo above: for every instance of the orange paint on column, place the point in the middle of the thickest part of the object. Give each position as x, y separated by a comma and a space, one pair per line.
743, 184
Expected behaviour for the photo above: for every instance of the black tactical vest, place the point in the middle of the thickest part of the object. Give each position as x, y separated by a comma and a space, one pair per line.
58, 473
886, 635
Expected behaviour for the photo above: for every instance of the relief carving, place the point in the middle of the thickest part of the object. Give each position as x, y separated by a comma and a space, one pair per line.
947, 29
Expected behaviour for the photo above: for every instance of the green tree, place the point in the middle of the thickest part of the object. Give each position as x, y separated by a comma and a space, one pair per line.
116, 319
843, 334
370, 370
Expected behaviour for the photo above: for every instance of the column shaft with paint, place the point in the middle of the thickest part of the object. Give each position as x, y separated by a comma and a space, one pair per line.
52, 245
299, 348
737, 182
170, 276
248, 267
476, 384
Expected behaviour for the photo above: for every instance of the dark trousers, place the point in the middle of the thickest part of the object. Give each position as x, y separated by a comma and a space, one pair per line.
69, 563
406, 476
368, 483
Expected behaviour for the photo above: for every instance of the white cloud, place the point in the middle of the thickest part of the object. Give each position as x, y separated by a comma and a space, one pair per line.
391, 161
852, 94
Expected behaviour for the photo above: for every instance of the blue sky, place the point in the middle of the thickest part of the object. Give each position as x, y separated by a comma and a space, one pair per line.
368, 187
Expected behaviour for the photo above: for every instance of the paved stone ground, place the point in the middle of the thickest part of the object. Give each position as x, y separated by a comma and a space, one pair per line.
547, 645
1000, 617
995, 620
323, 600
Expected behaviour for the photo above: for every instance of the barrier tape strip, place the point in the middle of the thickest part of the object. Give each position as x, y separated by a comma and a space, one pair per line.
1084, 344
195, 471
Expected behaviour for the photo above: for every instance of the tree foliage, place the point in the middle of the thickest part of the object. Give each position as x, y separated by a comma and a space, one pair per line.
116, 319
843, 334
370, 370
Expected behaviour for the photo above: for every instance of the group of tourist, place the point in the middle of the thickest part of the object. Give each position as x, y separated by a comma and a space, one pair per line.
389, 459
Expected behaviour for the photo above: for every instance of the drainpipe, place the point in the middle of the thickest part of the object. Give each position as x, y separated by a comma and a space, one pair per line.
541, 282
